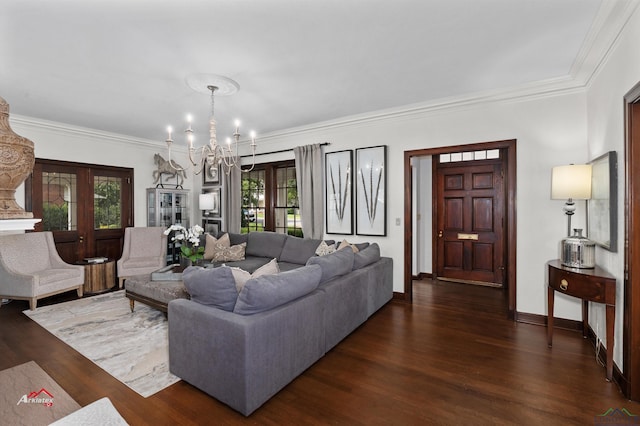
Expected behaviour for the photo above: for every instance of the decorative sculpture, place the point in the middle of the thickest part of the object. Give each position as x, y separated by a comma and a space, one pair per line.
171, 168
16, 164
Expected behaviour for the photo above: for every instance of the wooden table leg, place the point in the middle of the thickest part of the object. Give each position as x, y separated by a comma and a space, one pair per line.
585, 317
550, 299
611, 314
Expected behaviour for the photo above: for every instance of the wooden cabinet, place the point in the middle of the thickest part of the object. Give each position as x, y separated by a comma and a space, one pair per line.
590, 285
166, 207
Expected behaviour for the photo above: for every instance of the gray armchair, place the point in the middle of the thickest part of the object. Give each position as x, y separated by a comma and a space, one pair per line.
144, 251
31, 268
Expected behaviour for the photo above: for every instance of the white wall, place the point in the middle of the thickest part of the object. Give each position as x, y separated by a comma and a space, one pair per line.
57, 141
550, 130
618, 74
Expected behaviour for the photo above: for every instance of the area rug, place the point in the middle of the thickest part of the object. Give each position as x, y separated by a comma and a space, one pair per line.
29, 396
132, 347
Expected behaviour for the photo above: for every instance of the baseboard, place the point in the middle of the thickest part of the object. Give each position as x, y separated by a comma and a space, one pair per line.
400, 297
422, 276
618, 377
536, 319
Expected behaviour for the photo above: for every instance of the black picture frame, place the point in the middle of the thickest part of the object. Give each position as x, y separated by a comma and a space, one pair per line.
217, 207
211, 175
212, 226
602, 207
339, 192
371, 191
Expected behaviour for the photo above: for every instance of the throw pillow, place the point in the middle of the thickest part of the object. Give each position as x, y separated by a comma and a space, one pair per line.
267, 269
337, 263
346, 243
366, 256
212, 245
298, 250
229, 254
324, 249
241, 276
211, 286
269, 291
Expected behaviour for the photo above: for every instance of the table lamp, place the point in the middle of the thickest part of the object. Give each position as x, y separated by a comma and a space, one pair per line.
572, 182
206, 202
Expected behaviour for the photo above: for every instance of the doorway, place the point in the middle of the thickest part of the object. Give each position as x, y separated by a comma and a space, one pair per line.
469, 218
630, 382
85, 206
507, 149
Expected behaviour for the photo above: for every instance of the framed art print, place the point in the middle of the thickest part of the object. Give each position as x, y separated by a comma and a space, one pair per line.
211, 226
211, 175
215, 211
371, 191
602, 207
338, 190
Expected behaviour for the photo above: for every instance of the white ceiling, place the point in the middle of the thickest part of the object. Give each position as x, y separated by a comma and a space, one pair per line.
120, 65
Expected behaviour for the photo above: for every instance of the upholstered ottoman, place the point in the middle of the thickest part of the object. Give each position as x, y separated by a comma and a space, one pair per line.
156, 294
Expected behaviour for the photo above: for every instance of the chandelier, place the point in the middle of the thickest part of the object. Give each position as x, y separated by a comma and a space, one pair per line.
214, 154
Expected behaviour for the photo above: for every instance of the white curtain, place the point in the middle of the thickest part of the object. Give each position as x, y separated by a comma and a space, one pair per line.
310, 178
232, 202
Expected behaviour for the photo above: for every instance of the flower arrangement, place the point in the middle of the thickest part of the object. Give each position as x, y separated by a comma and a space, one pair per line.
189, 239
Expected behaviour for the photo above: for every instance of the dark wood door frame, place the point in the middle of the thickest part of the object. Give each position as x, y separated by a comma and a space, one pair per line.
509, 147
630, 382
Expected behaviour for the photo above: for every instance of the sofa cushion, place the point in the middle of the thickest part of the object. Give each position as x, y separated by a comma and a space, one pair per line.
299, 250
213, 245
241, 276
229, 254
366, 256
334, 264
236, 238
268, 291
265, 244
211, 286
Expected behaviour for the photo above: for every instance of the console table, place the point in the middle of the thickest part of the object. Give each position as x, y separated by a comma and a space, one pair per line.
590, 285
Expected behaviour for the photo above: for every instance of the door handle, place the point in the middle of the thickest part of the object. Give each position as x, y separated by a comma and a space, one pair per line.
81, 239
439, 234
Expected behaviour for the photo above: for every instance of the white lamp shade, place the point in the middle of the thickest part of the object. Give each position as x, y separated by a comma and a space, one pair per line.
206, 201
572, 181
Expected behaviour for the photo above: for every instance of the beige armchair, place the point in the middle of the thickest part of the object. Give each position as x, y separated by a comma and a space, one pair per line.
31, 269
144, 251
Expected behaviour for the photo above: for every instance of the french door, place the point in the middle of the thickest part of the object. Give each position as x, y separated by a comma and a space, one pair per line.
85, 206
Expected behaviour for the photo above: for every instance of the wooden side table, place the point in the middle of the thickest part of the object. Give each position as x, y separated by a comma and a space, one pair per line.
98, 277
590, 285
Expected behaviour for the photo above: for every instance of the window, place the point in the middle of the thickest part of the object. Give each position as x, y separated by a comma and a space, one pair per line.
270, 199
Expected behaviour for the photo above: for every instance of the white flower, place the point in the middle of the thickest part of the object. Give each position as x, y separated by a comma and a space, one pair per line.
192, 235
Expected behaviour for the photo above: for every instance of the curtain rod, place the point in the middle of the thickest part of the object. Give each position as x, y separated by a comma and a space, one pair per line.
279, 151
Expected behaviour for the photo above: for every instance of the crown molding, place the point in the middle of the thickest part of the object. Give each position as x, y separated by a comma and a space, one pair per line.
25, 122
606, 28
536, 90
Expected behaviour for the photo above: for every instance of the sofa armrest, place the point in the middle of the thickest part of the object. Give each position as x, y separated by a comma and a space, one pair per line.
243, 360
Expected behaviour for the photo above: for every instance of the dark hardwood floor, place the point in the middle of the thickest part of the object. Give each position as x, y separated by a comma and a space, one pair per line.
451, 358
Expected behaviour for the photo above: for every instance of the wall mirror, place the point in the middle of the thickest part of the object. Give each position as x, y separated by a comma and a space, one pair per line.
602, 208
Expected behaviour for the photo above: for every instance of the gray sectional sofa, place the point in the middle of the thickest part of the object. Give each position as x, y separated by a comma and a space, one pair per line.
242, 351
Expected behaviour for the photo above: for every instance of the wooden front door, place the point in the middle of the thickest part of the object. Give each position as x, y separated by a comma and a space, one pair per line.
86, 207
470, 211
